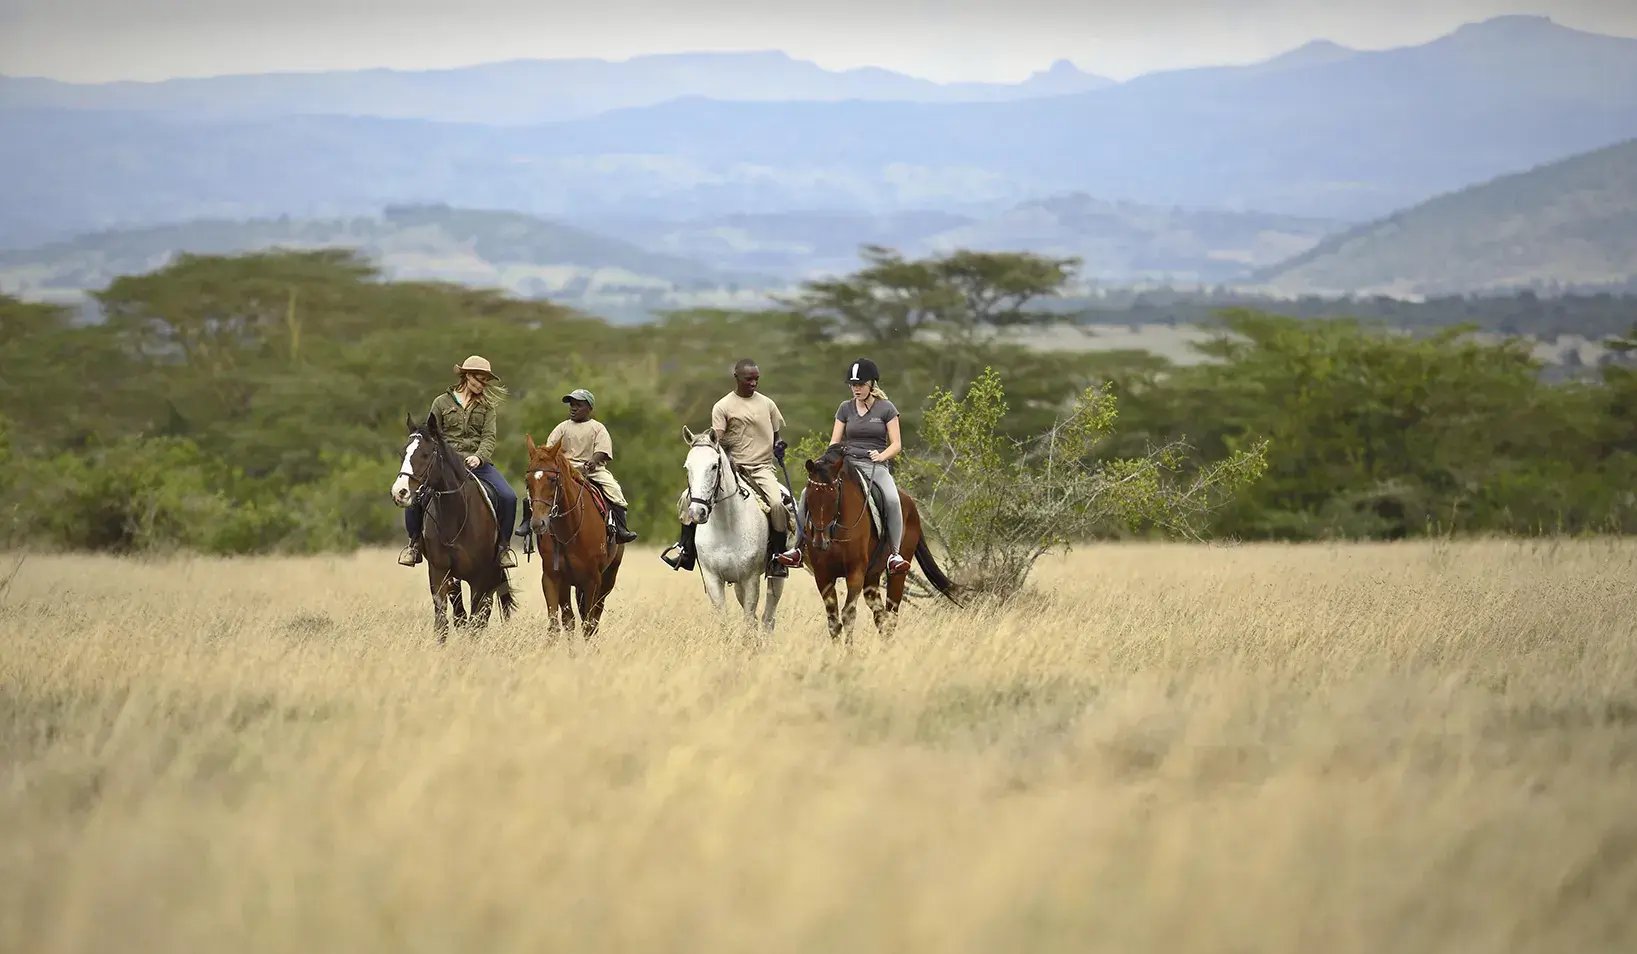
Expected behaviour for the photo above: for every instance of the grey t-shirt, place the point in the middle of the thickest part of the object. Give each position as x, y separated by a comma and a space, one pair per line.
865, 432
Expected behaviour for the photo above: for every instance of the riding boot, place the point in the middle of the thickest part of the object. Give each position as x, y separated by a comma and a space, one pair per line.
775, 545
622, 533
523, 521
684, 559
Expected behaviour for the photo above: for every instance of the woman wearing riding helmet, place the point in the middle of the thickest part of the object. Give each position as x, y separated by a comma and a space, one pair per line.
867, 428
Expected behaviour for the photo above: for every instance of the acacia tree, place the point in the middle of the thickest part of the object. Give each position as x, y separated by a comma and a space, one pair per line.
1000, 504
956, 301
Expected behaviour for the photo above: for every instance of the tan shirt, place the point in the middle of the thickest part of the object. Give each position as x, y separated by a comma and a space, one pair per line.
747, 426
580, 441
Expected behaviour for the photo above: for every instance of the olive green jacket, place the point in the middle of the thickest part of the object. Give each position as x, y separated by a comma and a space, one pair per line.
469, 429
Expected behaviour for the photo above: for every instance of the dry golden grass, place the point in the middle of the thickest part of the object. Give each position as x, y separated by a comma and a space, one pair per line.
1364, 748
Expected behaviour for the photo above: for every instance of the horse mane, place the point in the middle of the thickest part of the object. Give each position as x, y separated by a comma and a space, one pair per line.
555, 454
829, 463
440, 446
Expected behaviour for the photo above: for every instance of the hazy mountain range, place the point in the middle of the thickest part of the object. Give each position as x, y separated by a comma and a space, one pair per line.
526, 91
744, 168
641, 267
1572, 222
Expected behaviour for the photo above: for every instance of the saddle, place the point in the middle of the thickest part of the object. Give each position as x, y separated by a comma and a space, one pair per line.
597, 498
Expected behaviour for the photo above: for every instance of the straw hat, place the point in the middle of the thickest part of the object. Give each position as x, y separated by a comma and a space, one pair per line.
476, 364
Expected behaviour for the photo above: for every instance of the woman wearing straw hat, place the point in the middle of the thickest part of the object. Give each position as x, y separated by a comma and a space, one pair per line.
466, 415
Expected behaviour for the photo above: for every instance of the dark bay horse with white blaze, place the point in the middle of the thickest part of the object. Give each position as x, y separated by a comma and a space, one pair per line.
840, 542
459, 532
576, 551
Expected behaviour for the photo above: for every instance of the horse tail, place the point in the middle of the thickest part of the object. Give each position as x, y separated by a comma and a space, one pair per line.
934, 574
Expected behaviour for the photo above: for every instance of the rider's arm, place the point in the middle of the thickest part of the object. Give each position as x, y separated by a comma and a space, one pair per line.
486, 444
837, 430
598, 461
895, 442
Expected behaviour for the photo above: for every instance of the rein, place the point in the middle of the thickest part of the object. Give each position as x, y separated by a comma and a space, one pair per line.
722, 464
839, 485
426, 495
555, 513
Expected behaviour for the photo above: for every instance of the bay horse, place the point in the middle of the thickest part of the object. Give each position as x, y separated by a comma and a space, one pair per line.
840, 542
576, 552
458, 530
732, 536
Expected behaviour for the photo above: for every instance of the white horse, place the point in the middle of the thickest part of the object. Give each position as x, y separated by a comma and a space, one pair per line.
731, 541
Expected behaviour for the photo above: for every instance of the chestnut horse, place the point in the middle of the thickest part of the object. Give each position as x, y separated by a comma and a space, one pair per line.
840, 542
575, 549
458, 532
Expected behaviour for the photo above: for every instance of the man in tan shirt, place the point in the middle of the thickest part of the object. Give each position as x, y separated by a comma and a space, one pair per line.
588, 443
747, 423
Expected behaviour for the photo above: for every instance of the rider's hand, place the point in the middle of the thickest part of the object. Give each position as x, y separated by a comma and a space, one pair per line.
876, 456
472, 462
779, 448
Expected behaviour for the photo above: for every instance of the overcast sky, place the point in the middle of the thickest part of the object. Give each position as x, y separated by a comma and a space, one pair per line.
1005, 40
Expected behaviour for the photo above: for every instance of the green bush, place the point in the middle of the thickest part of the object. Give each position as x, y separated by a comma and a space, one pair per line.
999, 504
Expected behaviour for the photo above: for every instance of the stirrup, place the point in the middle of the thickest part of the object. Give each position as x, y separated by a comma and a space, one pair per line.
409, 556
506, 558
897, 564
790, 558
682, 561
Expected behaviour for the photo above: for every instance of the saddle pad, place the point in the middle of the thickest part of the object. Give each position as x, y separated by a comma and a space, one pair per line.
874, 498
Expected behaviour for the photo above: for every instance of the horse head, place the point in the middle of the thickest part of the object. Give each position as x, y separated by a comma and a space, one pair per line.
823, 500
710, 474
421, 455
549, 469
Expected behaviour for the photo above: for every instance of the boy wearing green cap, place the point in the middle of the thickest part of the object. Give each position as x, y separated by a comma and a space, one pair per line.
588, 444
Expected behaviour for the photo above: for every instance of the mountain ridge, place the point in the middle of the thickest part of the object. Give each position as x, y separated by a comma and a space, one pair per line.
1567, 223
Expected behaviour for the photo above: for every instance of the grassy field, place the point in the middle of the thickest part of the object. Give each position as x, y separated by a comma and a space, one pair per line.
1383, 748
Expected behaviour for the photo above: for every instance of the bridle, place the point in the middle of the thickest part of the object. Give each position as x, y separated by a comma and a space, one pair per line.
425, 494
832, 531
554, 508
716, 496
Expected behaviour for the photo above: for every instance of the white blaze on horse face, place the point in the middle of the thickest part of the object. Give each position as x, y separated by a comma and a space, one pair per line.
400, 487
701, 481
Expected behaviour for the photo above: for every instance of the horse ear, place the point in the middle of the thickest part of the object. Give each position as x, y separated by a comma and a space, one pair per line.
687, 435
812, 468
431, 423
409, 422
528, 440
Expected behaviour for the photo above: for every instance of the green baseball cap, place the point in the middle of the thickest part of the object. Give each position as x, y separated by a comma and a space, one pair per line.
580, 394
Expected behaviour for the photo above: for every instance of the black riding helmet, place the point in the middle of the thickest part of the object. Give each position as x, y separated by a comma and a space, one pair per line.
863, 370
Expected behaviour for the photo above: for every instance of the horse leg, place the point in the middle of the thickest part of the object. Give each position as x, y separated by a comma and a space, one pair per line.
750, 594
482, 605
714, 588
832, 610
438, 583
872, 599
456, 603
549, 587
849, 611
587, 597
609, 575
775, 589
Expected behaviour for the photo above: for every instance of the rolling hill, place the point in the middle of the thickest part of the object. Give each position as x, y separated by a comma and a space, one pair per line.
1569, 223
1117, 241
521, 254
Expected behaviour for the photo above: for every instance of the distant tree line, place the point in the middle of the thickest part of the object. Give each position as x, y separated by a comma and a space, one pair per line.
256, 403
1591, 314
